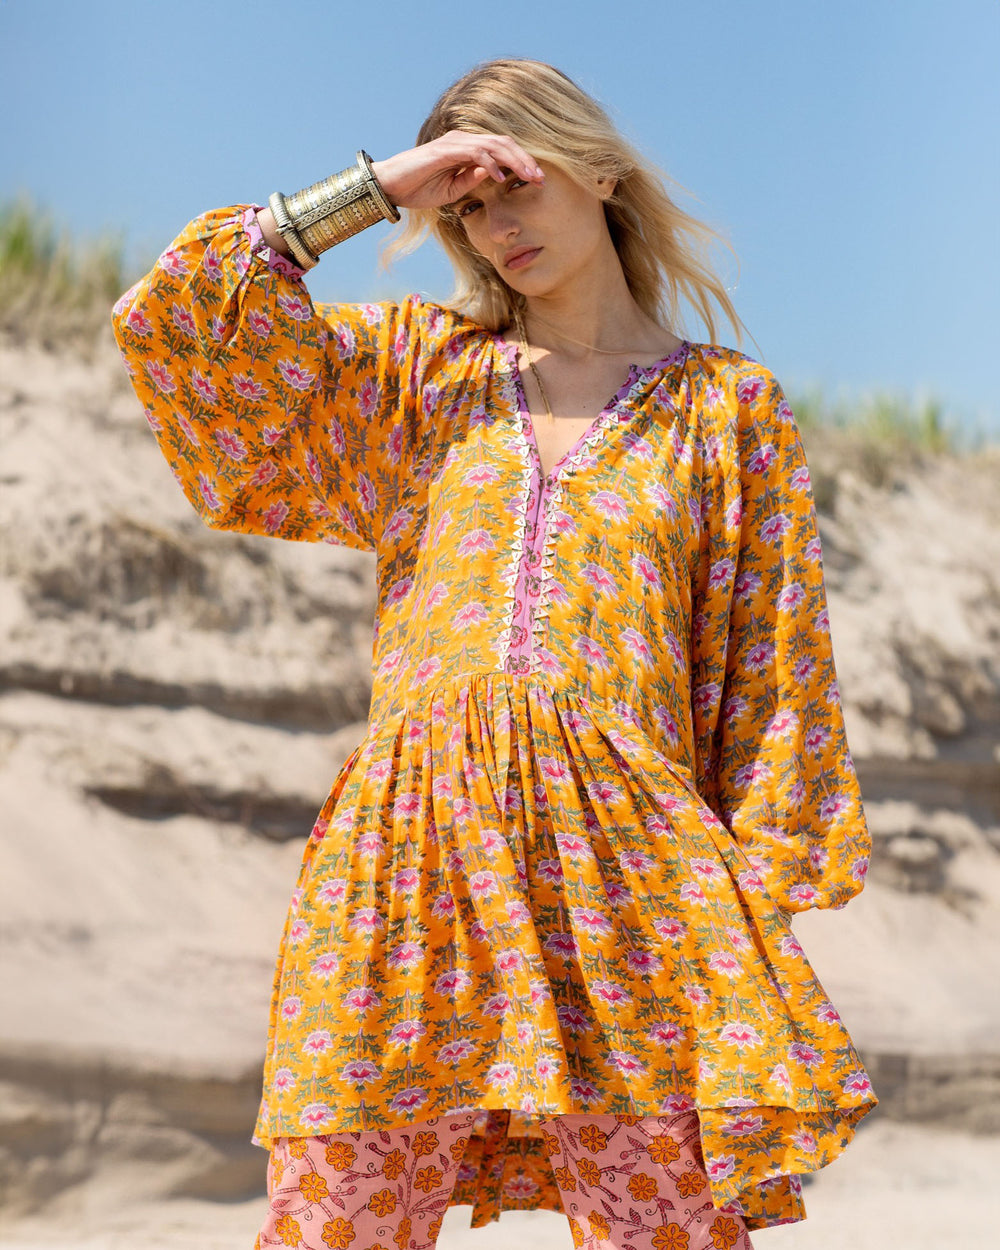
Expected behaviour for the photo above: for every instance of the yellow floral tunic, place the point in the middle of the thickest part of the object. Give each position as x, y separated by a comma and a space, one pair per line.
605, 757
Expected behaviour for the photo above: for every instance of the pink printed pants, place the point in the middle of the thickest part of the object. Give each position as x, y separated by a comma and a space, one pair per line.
625, 1185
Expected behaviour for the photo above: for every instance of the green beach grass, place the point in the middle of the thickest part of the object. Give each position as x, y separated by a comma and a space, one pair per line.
55, 290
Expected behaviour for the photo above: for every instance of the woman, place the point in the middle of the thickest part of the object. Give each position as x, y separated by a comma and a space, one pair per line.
539, 953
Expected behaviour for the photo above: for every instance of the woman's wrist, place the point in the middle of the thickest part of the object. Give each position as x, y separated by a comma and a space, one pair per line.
378, 169
272, 237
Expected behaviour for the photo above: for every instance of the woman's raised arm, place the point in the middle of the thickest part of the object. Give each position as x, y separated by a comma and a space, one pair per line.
277, 419
235, 368
434, 174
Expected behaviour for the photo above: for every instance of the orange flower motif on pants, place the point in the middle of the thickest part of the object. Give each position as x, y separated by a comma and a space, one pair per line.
338, 1234
642, 1187
671, 1237
383, 1203
313, 1187
725, 1233
288, 1230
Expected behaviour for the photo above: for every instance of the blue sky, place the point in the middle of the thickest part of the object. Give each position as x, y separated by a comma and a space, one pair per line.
849, 151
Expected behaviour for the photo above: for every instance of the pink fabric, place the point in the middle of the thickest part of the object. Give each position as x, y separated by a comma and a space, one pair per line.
626, 1183
528, 583
363, 1191
639, 1184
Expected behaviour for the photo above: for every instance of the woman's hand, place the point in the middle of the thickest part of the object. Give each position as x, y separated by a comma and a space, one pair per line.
436, 173
447, 168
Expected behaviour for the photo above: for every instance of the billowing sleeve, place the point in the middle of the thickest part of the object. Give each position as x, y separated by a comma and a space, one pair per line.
772, 758
277, 416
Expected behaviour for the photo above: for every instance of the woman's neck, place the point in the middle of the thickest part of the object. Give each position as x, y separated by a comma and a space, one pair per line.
597, 314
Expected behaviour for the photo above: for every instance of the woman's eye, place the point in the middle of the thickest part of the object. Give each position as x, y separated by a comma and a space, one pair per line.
471, 205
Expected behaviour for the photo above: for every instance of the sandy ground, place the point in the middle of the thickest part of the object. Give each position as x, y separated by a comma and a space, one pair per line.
898, 1186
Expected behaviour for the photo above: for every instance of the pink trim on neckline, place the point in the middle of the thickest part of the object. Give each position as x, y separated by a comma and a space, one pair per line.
600, 421
544, 494
528, 583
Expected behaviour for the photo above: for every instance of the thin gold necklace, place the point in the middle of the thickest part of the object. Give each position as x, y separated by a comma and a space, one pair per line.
601, 351
527, 353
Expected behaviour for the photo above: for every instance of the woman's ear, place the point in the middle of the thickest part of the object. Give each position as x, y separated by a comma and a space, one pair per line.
606, 187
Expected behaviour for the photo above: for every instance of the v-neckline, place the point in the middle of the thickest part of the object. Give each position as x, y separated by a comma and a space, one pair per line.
599, 422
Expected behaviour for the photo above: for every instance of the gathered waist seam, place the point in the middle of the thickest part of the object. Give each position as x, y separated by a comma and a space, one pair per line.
380, 728
429, 692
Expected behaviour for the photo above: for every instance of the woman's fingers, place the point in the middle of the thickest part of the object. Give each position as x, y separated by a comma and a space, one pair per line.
516, 157
446, 168
489, 164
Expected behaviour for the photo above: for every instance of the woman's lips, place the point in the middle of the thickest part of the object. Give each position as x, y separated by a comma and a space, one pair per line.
523, 258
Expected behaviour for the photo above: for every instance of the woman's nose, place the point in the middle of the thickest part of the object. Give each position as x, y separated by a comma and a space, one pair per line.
501, 223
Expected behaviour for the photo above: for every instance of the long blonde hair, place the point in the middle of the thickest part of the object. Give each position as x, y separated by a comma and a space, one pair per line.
663, 250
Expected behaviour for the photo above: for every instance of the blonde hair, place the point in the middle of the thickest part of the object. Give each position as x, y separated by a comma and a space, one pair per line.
663, 250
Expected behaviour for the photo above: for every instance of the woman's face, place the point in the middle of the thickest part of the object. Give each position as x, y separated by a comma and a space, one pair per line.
538, 238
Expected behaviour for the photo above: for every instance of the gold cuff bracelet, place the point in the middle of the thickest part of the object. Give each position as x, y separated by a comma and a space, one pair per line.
330, 211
